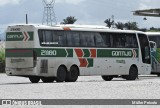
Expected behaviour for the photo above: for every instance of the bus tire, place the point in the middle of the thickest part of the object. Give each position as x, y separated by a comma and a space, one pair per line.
72, 75
107, 78
133, 73
34, 79
47, 79
61, 74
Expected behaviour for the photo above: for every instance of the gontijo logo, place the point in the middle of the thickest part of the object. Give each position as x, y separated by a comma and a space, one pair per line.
19, 36
122, 53
130, 53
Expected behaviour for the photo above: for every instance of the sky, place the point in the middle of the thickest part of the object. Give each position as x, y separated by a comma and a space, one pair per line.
86, 12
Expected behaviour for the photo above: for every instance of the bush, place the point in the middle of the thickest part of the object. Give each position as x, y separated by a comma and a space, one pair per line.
2, 67
2, 57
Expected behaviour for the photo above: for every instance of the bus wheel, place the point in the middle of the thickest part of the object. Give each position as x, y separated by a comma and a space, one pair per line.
34, 79
47, 79
107, 78
61, 74
72, 75
133, 74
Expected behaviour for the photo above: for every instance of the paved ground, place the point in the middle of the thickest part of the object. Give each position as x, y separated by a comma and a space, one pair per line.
92, 87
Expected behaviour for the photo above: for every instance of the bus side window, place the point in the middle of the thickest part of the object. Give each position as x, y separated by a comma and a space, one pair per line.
90, 39
76, 39
49, 37
60, 38
87, 39
131, 41
106, 39
69, 39
83, 40
114, 40
99, 40
73, 39
119, 40
111, 40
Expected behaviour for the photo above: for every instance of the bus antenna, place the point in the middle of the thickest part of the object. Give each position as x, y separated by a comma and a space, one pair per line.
26, 19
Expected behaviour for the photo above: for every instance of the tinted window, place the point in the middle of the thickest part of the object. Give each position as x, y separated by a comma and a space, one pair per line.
131, 41
121, 40
145, 49
87, 39
106, 39
51, 38
118, 40
99, 40
59, 38
73, 39
83, 40
45, 37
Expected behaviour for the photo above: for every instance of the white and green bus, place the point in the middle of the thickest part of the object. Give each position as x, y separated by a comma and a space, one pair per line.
154, 38
64, 52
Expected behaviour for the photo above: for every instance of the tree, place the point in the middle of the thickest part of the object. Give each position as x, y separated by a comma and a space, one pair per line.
69, 20
109, 22
131, 26
154, 29
119, 25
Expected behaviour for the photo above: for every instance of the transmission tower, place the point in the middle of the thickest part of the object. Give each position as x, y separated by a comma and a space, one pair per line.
49, 17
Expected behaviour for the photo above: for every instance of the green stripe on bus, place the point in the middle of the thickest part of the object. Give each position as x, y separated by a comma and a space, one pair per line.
117, 53
54, 52
70, 52
90, 62
86, 53
61, 52
19, 53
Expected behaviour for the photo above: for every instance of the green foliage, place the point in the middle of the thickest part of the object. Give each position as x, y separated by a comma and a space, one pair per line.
131, 26
2, 55
69, 20
152, 29
2, 61
128, 25
109, 22
158, 55
120, 25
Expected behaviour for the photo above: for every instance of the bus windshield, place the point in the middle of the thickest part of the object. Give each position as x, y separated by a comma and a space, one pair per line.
145, 49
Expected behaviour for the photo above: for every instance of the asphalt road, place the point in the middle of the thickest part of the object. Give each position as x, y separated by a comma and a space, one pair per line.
88, 87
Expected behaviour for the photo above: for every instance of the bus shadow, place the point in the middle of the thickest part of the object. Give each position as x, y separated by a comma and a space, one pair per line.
28, 83
140, 78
